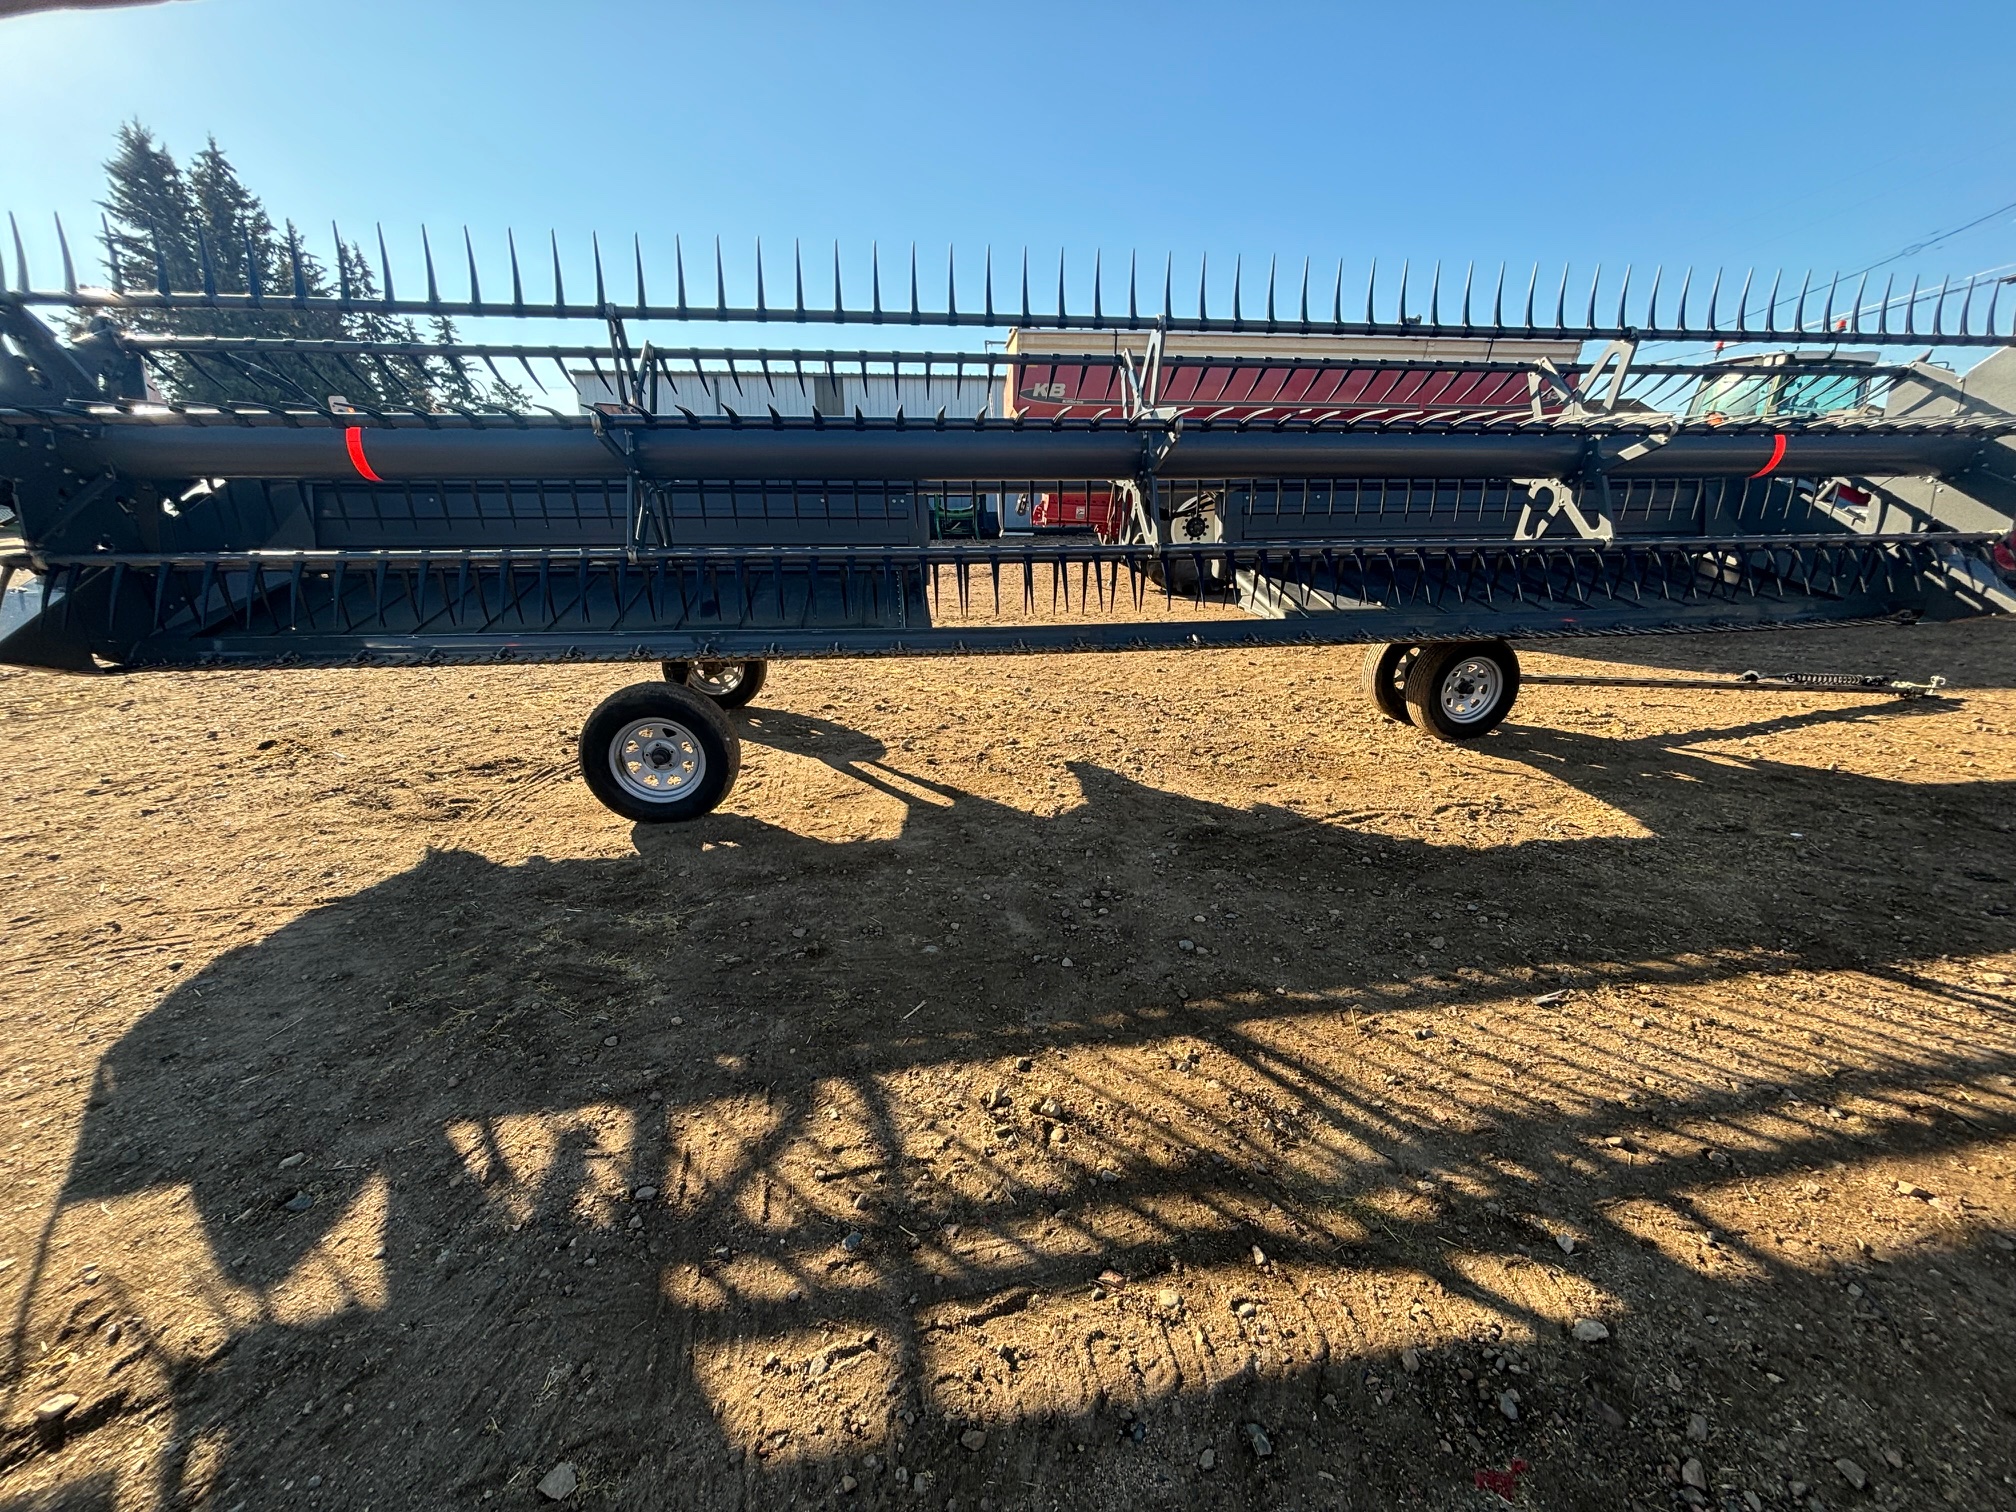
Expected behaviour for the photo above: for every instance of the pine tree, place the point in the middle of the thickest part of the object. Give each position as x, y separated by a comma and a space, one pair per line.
202, 229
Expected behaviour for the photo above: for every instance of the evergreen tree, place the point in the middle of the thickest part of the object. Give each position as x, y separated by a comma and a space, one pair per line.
202, 229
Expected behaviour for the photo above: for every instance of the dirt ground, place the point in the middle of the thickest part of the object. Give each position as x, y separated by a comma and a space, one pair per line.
1134, 1082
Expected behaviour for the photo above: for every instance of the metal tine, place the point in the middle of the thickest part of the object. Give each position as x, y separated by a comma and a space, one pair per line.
1799, 310
601, 289
797, 285
1939, 307
1062, 318
427, 252
1337, 296
1271, 263
987, 280
720, 282
1497, 299
300, 276
1967, 303
916, 313
21, 255
1827, 316
384, 263
1714, 290
253, 288
679, 268
209, 267
1238, 281
1771, 306
875, 279
475, 288
1025, 285
1305, 296
1469, 271
1623, 299
637, 258
1686, 282
951, 289
517, 278
1994, 298
1203, 282
559, 283
1589, 323
1561, 301
112, 272
1098, 278
1371, 284
1532, 287
761, 312
1435, 297
1883, 309
69, 269
1855, 314
1743, 303
1133, 306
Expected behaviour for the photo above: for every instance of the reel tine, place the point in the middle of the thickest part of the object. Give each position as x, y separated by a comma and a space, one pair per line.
637, 258
475, 287
384, 265
559, 281
951, 288
69, 268
1098, 268
761, 312
21, 255
427, 253
209, 267
517, 277
601, 288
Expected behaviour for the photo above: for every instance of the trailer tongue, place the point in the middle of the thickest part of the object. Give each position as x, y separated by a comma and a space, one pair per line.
1429, 485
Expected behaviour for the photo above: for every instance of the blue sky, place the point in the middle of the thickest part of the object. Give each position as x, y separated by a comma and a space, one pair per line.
1804, 134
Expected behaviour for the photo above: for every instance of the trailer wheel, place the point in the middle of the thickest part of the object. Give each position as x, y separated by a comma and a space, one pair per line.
659, 754
1457, 690
1383, 678
731, 684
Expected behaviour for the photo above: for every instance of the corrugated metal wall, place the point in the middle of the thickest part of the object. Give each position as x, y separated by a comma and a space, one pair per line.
751, 392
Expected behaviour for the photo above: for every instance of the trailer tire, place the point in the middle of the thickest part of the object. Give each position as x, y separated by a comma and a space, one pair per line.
731, 684
1383, 678
659, 753
1459, 690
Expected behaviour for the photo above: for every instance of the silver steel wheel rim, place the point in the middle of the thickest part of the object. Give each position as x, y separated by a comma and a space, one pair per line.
657, 760
717, 679
1470, 689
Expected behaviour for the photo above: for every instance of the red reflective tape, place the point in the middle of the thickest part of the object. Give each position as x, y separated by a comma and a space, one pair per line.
353, 442
1777, 456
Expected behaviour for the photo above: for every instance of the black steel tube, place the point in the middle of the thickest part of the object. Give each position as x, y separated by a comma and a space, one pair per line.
993, 452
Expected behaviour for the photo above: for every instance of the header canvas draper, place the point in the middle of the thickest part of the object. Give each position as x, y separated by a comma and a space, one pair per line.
1430, 466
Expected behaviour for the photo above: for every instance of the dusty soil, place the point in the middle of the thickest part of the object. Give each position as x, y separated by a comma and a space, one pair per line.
1133, 1082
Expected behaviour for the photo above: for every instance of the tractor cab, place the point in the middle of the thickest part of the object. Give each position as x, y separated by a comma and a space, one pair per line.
1782, 385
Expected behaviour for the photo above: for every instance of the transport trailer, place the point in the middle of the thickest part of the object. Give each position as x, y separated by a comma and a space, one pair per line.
1618, 494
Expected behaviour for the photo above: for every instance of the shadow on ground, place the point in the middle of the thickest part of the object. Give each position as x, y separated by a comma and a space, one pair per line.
845, 1261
